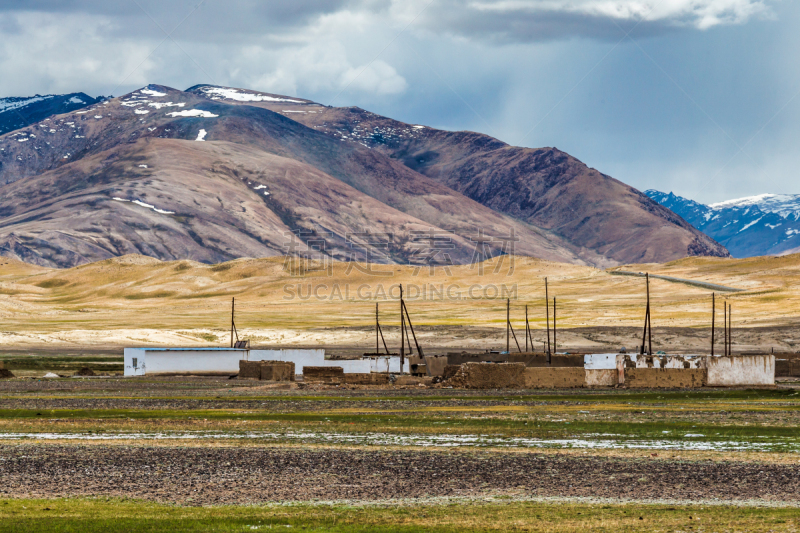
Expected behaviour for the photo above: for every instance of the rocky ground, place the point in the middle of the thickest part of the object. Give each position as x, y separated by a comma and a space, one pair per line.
230, 475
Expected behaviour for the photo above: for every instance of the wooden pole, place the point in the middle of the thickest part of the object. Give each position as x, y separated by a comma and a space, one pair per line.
730, 329
527, 329
402, 332
713, 312
377, 331
411, 326
555, 344
508, 324
725, 330
649, 324
233, 306
547, 312
646, 315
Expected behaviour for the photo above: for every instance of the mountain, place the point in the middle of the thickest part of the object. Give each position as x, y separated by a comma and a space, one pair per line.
215, 173
767, 224
16, 113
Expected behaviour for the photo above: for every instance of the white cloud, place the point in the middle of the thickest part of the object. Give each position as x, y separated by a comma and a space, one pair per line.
325, 66
701, 14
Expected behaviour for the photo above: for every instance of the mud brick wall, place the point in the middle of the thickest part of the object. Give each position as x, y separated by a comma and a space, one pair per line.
784, 368
277, 370
489, 376
540, 360
374, 378
450, 371
249, 369
601, 377
554, 378
325, 374
435, 364
665, 378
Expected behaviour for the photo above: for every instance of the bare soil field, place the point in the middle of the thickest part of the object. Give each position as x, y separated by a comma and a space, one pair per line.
226, 475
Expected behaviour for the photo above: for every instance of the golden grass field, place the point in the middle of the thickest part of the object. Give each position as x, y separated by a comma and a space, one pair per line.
140, 300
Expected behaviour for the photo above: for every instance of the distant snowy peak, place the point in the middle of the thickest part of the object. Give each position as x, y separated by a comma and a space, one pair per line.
12, 103
19, 112
785, 205
766, 224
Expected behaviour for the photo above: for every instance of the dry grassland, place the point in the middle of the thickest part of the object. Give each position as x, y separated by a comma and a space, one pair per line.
140, 300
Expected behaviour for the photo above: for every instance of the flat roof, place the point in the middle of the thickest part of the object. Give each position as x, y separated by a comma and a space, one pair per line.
191, 349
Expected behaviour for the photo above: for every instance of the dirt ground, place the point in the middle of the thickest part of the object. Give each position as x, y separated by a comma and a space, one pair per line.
224, 475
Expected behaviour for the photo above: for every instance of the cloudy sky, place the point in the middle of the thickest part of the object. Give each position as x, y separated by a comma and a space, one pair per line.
700, 97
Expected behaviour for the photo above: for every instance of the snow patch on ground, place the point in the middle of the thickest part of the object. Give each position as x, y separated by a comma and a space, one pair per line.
218, 93
201, 135
159, 105
601, 441
150, 92
141, 111
142, 166
192, 113
75, 100
751, 224
148, 206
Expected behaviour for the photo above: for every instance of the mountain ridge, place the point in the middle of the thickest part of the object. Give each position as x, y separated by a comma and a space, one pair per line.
215, 173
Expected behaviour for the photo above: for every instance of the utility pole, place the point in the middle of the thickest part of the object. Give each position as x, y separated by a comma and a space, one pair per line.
508, 325
555, 344
647, 333
377, 331
713, 312
402, 332
725, 330
730, 329
233, 324
527, 329
547, 312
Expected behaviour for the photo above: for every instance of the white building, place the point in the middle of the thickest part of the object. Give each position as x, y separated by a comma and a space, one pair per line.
222, 361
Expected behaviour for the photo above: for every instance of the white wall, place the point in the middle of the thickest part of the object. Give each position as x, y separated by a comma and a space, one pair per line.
600, 361
670, 361
388, 363
741, 370
304, 358
130, 355
182, 361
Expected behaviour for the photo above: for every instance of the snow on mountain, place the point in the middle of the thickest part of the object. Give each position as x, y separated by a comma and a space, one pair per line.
785, 205
766, 224
19, 112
